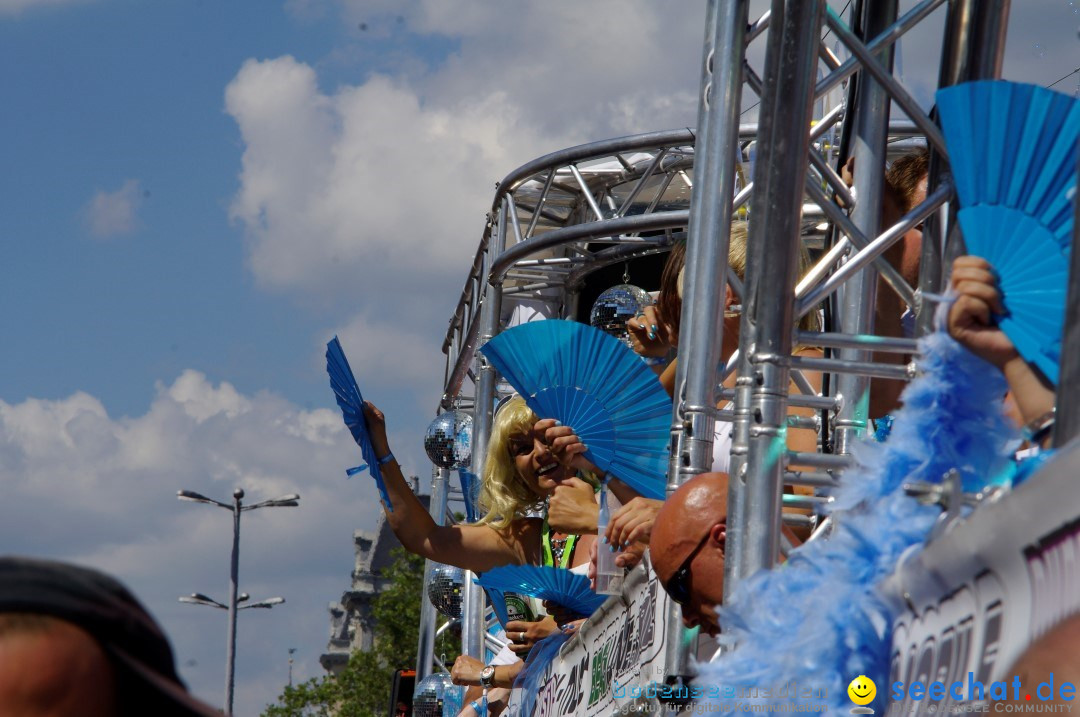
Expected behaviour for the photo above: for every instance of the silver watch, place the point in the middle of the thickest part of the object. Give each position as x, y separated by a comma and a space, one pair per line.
487, 676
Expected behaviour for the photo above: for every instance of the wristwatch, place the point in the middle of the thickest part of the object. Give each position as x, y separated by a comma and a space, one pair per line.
487, 676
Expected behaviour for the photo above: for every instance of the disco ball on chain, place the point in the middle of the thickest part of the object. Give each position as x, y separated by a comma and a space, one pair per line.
436, 696
444, 590
448, 440
616, 306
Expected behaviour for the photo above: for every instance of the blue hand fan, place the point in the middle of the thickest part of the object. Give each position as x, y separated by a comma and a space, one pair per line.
498, 604
470, 494
594, 383
351, 402
564, 587
1013, 151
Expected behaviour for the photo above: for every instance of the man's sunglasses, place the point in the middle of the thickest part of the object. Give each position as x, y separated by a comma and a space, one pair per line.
678, 585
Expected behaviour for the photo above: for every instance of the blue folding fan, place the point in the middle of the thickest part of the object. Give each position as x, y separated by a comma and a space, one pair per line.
498, 604
470, 494
1013, 152
595, 384
563, 587
351, 402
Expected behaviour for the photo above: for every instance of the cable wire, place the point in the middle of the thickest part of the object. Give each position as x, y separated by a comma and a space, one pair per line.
1063, 78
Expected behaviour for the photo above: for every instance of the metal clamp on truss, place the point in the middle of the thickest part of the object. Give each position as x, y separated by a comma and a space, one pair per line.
950, 496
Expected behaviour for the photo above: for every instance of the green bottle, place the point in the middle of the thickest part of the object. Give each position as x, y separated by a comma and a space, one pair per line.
519, 607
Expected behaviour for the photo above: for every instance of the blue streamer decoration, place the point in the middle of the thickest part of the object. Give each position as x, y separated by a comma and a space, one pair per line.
529, 680
470, 494
818, 620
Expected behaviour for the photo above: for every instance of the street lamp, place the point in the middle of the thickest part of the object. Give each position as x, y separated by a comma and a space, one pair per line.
236, 508
200, 599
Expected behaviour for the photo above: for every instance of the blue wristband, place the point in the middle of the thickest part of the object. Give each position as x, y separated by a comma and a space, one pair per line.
386, 459
652, 361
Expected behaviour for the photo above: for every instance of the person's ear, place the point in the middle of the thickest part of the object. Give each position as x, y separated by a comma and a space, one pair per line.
729, 297
718, 534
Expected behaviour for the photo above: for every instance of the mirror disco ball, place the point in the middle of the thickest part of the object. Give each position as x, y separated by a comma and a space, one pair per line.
444, 590
616, 306
448, 440
437, 696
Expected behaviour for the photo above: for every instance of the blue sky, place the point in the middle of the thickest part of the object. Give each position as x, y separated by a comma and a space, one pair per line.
196, 195
99, 94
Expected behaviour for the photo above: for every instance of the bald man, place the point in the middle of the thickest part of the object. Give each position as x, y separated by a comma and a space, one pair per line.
687, 547
689, 540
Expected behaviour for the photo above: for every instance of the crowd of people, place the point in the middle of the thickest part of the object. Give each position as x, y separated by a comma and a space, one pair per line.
74, 641
539, 495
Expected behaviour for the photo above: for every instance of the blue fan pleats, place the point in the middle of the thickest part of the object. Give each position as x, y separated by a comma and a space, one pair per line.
563, 587
351, 402
1013, 153
593, 383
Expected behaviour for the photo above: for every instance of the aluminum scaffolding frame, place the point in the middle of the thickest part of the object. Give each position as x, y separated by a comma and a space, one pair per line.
765, 341
705, 279
635, 195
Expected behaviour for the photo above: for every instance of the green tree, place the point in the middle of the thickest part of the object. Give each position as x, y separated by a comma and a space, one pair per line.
362, 689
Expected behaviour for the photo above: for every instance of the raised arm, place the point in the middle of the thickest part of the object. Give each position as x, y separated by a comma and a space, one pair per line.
472, 547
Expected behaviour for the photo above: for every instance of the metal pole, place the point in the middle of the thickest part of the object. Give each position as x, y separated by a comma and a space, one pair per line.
234, 573
472, 615
859, 298
472, 605
425, 648
759, 444
716, 151
1067, 424
973, 48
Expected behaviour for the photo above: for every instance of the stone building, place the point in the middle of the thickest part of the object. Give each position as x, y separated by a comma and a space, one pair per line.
351, 625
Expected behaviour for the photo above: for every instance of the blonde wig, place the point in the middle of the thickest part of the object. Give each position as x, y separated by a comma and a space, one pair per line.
504, 495
737, 261
671, 283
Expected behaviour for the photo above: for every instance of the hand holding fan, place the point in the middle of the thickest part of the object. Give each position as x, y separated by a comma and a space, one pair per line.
1012, 149
564, 587
593, 383
351, 403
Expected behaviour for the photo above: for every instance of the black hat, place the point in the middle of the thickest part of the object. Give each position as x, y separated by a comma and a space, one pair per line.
146, 677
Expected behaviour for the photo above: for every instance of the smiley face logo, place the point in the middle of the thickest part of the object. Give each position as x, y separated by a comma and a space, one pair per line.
862, 690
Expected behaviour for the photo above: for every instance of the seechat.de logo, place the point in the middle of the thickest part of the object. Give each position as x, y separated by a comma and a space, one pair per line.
862, 692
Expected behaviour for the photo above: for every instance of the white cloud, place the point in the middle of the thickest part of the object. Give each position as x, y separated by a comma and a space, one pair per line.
363, 190
375, 187
111, 214
83, 486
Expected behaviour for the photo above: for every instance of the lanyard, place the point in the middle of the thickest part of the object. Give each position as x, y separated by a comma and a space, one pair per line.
549, 559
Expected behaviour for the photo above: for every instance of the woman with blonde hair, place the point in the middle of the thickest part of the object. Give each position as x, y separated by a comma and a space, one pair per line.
537, 510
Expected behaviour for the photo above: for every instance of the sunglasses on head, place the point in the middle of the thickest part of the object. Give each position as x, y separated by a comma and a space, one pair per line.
678, 585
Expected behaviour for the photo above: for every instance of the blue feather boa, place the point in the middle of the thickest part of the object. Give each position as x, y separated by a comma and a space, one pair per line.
818, 620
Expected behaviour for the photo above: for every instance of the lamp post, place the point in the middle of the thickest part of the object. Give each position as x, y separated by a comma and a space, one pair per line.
237, 507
